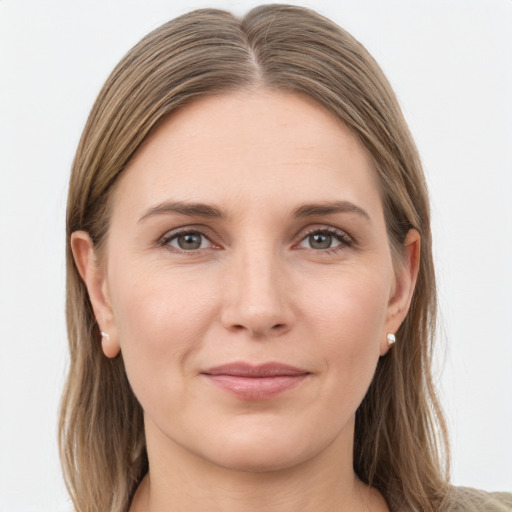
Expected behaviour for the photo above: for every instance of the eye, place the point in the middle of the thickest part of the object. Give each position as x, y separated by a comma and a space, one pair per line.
324, 239
187, 241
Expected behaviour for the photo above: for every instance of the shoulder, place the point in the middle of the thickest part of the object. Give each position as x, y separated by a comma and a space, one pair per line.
465, 499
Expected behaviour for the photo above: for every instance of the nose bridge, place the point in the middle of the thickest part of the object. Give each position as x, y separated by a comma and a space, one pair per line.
256, 300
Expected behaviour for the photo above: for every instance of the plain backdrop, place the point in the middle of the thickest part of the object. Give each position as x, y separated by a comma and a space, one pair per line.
450, 63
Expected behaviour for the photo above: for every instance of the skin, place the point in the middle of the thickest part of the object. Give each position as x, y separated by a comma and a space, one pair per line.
259, 288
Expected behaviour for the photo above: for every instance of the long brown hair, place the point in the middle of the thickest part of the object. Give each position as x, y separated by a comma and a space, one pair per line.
400, 440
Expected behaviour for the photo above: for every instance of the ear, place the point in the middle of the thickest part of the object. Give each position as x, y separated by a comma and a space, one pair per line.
95, 280
405, 281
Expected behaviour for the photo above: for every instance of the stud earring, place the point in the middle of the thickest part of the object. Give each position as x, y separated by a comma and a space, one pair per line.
391, 339
105, 335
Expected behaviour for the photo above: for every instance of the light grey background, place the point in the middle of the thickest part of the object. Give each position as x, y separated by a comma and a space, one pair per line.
450, 63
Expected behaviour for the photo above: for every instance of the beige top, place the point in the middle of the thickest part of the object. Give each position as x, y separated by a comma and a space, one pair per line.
473, 500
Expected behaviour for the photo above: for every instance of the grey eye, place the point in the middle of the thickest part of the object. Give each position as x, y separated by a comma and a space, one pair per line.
189, 241
320, 241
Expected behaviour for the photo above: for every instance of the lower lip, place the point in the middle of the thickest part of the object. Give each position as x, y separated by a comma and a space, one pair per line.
256, 388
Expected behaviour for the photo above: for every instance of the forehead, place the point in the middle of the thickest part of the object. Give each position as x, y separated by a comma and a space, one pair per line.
252, 146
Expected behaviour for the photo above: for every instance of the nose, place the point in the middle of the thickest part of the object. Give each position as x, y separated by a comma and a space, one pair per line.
257, 296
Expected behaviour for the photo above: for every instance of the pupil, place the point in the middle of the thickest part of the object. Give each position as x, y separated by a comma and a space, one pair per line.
189, 241
320, 241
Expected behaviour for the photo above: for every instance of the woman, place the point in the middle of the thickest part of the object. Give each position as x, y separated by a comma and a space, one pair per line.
248, 237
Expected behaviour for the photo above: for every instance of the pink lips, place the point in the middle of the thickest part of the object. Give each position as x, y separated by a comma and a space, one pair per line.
255, 382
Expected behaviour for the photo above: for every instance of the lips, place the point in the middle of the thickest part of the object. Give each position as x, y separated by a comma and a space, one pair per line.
249, 382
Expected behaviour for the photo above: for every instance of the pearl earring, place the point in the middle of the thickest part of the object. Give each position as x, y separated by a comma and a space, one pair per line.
105, 335
391, 339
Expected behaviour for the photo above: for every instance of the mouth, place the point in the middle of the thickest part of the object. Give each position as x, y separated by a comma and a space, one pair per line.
260, 382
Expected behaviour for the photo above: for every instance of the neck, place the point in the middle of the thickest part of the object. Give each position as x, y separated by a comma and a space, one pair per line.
181, 481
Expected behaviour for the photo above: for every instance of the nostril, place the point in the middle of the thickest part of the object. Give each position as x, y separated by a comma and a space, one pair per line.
259, 332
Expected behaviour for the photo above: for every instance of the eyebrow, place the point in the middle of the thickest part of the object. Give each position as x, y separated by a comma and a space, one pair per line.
328, 208
212, 212
183, 208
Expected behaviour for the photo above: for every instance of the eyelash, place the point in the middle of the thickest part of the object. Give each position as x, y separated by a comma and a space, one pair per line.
344, 239
167, 238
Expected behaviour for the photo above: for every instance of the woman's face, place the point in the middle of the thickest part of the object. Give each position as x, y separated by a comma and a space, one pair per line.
248, 280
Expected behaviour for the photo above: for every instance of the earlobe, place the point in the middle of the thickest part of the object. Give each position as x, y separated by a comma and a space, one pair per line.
405, 283
94, 278
109, 347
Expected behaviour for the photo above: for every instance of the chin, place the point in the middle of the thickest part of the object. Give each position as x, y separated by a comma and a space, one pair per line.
258, 458
262, 449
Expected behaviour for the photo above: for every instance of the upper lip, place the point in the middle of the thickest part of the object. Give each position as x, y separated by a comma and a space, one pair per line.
242, 369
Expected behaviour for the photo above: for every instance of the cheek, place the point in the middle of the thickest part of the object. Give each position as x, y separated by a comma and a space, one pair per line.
161, 319
154, 304
348, 320
351, 305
